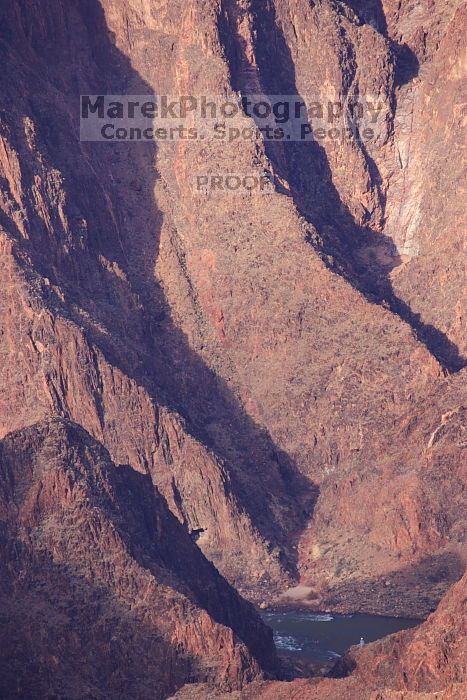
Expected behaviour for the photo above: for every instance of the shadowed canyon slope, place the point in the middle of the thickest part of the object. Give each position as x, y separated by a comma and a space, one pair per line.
117, 597
281, 372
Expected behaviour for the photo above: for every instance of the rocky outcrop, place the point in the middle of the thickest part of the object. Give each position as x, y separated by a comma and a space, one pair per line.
429, 658
103, 592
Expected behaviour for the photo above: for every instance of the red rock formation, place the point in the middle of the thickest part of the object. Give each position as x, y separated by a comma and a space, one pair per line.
286, 366
98, 341
427, 207
429, 658
103, 593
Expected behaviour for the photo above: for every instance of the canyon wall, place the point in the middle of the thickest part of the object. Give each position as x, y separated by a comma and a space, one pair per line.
285, 367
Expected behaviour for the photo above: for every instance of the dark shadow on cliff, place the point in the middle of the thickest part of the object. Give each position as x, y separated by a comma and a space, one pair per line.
363, 256
63, 635
103, 258
96, 509
154, 535
405, 61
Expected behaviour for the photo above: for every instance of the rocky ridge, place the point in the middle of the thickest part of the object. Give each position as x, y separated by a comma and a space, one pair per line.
103, 592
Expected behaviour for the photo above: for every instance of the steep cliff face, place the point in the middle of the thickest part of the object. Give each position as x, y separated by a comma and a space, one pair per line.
103, 593
82, 232
249, 353
362, 438
383, 225
427, 197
